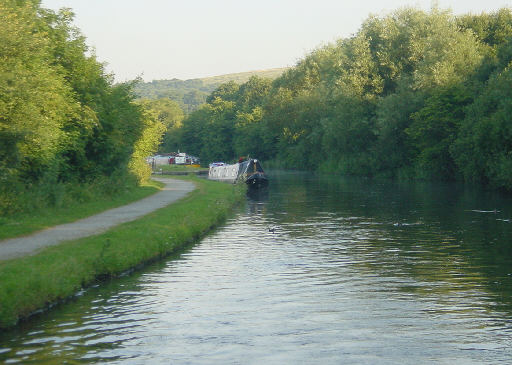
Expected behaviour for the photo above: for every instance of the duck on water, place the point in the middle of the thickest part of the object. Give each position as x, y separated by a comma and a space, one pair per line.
248, 171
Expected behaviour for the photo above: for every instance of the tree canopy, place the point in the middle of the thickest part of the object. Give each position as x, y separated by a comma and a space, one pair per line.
412, 94
62, 119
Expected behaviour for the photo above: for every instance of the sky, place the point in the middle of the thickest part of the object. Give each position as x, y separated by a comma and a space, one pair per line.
186, 39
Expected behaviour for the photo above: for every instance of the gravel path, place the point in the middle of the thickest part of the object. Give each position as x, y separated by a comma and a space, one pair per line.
29, 245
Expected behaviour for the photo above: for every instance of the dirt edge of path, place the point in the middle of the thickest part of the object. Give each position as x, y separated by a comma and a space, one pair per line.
29, 245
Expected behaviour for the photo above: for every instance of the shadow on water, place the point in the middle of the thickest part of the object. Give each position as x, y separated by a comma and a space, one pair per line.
258, 195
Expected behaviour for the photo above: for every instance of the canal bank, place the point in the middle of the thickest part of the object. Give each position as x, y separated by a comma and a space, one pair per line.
352, 271
33, 283
171, 191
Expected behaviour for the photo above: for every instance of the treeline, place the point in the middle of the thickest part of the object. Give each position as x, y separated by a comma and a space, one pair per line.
63, 122
412, 94
189, 94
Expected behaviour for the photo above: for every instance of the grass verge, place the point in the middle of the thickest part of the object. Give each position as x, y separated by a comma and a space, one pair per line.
179, 168
19, 225
35, 282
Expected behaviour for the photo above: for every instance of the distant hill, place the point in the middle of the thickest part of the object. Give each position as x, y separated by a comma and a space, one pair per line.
242, 77
192, 93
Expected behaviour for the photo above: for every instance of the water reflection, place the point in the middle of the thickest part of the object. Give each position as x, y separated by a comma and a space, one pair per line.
355, 271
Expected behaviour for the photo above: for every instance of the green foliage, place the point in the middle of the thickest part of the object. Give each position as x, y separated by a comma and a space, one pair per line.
412, 94
434, 128
483, 149
227, 92
62, 120
390, 100
191, 94
448, 55
349, 133
492, 29
170, 114
249, 132
146, 145
34, 282
35, 101
217, 136
395, 150
69, 202
229, 124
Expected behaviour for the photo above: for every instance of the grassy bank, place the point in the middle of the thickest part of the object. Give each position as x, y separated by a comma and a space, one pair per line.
74, 209
180, 168
34, 282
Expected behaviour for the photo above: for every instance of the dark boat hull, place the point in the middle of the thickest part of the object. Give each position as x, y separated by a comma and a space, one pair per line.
256, 181
249, 172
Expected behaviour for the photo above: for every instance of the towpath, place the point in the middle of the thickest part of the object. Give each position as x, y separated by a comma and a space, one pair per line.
29, 245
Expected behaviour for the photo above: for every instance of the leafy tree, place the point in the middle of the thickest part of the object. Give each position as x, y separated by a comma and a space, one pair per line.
249, 132
147, 144
395, 152
253, 93
349, 135
450, 55
193, 99
35, 101
227, 92
170, 114
483, 149
208, 132
492, 29
217, 133
411, 94
435, 127
62, 119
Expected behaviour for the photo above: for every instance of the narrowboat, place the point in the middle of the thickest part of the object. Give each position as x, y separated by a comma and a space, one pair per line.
249, 172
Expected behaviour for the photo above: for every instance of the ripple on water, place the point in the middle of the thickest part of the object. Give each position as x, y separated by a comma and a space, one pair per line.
346, 277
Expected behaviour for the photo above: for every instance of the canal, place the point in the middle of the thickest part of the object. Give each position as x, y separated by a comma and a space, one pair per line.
315, 270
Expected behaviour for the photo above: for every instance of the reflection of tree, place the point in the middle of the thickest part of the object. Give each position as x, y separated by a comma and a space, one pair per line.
427, 239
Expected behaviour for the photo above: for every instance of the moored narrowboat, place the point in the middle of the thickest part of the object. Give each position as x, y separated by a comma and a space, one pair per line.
249, 171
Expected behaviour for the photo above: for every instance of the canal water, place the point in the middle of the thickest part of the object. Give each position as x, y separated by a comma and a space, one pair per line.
315, 270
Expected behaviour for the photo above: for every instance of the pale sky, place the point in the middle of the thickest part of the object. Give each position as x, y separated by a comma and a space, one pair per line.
185, 39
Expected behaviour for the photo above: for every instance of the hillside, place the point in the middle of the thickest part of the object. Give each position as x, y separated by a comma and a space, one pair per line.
192, 93
242, 77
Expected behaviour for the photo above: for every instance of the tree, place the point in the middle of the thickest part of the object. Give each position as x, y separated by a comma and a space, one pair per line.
434, 129
492, 29
146, 145
394, 150
35, 101
348, 135
252, 93
404, 96
450, 55
62, 119
483, 149
170, 114
227, 91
